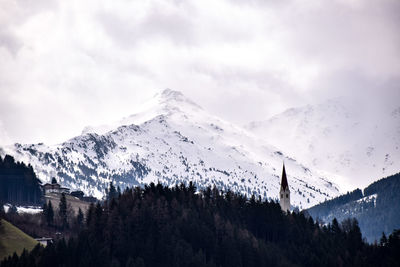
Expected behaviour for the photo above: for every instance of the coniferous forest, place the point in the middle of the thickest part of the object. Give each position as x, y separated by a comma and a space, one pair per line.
161, 226
18, 183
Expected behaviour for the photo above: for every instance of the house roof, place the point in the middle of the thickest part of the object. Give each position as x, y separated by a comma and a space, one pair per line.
52, 185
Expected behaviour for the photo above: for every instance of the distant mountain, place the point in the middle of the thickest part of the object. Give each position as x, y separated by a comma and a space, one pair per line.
358, 144
171, 139
376, 208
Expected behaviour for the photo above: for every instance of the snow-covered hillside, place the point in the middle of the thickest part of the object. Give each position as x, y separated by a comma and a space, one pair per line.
339, 137
173, 140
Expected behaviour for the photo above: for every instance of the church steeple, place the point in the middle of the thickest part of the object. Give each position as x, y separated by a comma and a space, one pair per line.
284, 183
284, 194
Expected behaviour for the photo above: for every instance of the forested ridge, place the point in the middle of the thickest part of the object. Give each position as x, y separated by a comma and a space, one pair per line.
18, 183
325, 207
161, 226
377, 209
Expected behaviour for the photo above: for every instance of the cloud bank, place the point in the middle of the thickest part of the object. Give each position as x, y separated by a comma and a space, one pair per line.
67, 64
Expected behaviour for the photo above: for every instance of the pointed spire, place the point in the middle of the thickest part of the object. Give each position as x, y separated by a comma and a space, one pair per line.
284, 183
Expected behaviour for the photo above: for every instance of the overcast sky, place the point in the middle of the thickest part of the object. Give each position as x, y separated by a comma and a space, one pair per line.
68, 64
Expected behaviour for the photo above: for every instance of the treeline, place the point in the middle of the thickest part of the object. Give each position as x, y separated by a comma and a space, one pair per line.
161, 226
389, 185
18, 183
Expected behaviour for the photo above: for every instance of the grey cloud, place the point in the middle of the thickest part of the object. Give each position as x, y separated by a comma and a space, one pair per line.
127, 32
185, 27
263, 56
10, 41
262, 80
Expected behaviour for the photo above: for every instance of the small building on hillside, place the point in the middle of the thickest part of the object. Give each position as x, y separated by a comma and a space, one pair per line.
54, 187
78, 194
44, 241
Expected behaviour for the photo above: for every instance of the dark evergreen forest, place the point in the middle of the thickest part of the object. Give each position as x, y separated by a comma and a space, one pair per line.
161, 226
18, 183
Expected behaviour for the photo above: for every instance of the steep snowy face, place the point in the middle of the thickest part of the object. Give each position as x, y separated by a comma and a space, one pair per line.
173, 140
338, 137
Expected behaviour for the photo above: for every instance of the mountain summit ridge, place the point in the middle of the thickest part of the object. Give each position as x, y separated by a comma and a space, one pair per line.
165, 102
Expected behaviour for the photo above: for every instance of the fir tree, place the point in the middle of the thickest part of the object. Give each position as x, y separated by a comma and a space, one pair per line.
130, 262
62, 211
2, 212
50, 214
112, 192
383, 240
79, 218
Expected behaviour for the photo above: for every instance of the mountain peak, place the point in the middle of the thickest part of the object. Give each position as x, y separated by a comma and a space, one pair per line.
171, 97
171, 94
165, 102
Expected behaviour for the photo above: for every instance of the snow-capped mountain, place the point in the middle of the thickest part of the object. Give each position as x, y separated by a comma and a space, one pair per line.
172, 140
340, 137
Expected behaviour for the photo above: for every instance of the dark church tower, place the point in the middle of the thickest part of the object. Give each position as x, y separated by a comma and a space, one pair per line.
284, 193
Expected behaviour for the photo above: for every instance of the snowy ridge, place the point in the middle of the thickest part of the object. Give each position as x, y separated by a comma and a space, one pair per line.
174, 140
339, 137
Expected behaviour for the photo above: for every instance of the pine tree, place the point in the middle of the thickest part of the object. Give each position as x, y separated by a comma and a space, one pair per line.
1, 215
114, 263
130, 262
44, 208
383, 240
139, 262
119, 191
62, 211
112, 192
12, 210
2, 212
49, 214
79, 218
335, 227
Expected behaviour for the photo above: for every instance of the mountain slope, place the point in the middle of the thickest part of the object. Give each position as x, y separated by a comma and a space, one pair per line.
13, 240
358, 143
173, 140
376, 208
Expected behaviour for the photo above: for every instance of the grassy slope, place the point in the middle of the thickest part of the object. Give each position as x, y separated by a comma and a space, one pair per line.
72, 201
13, 240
